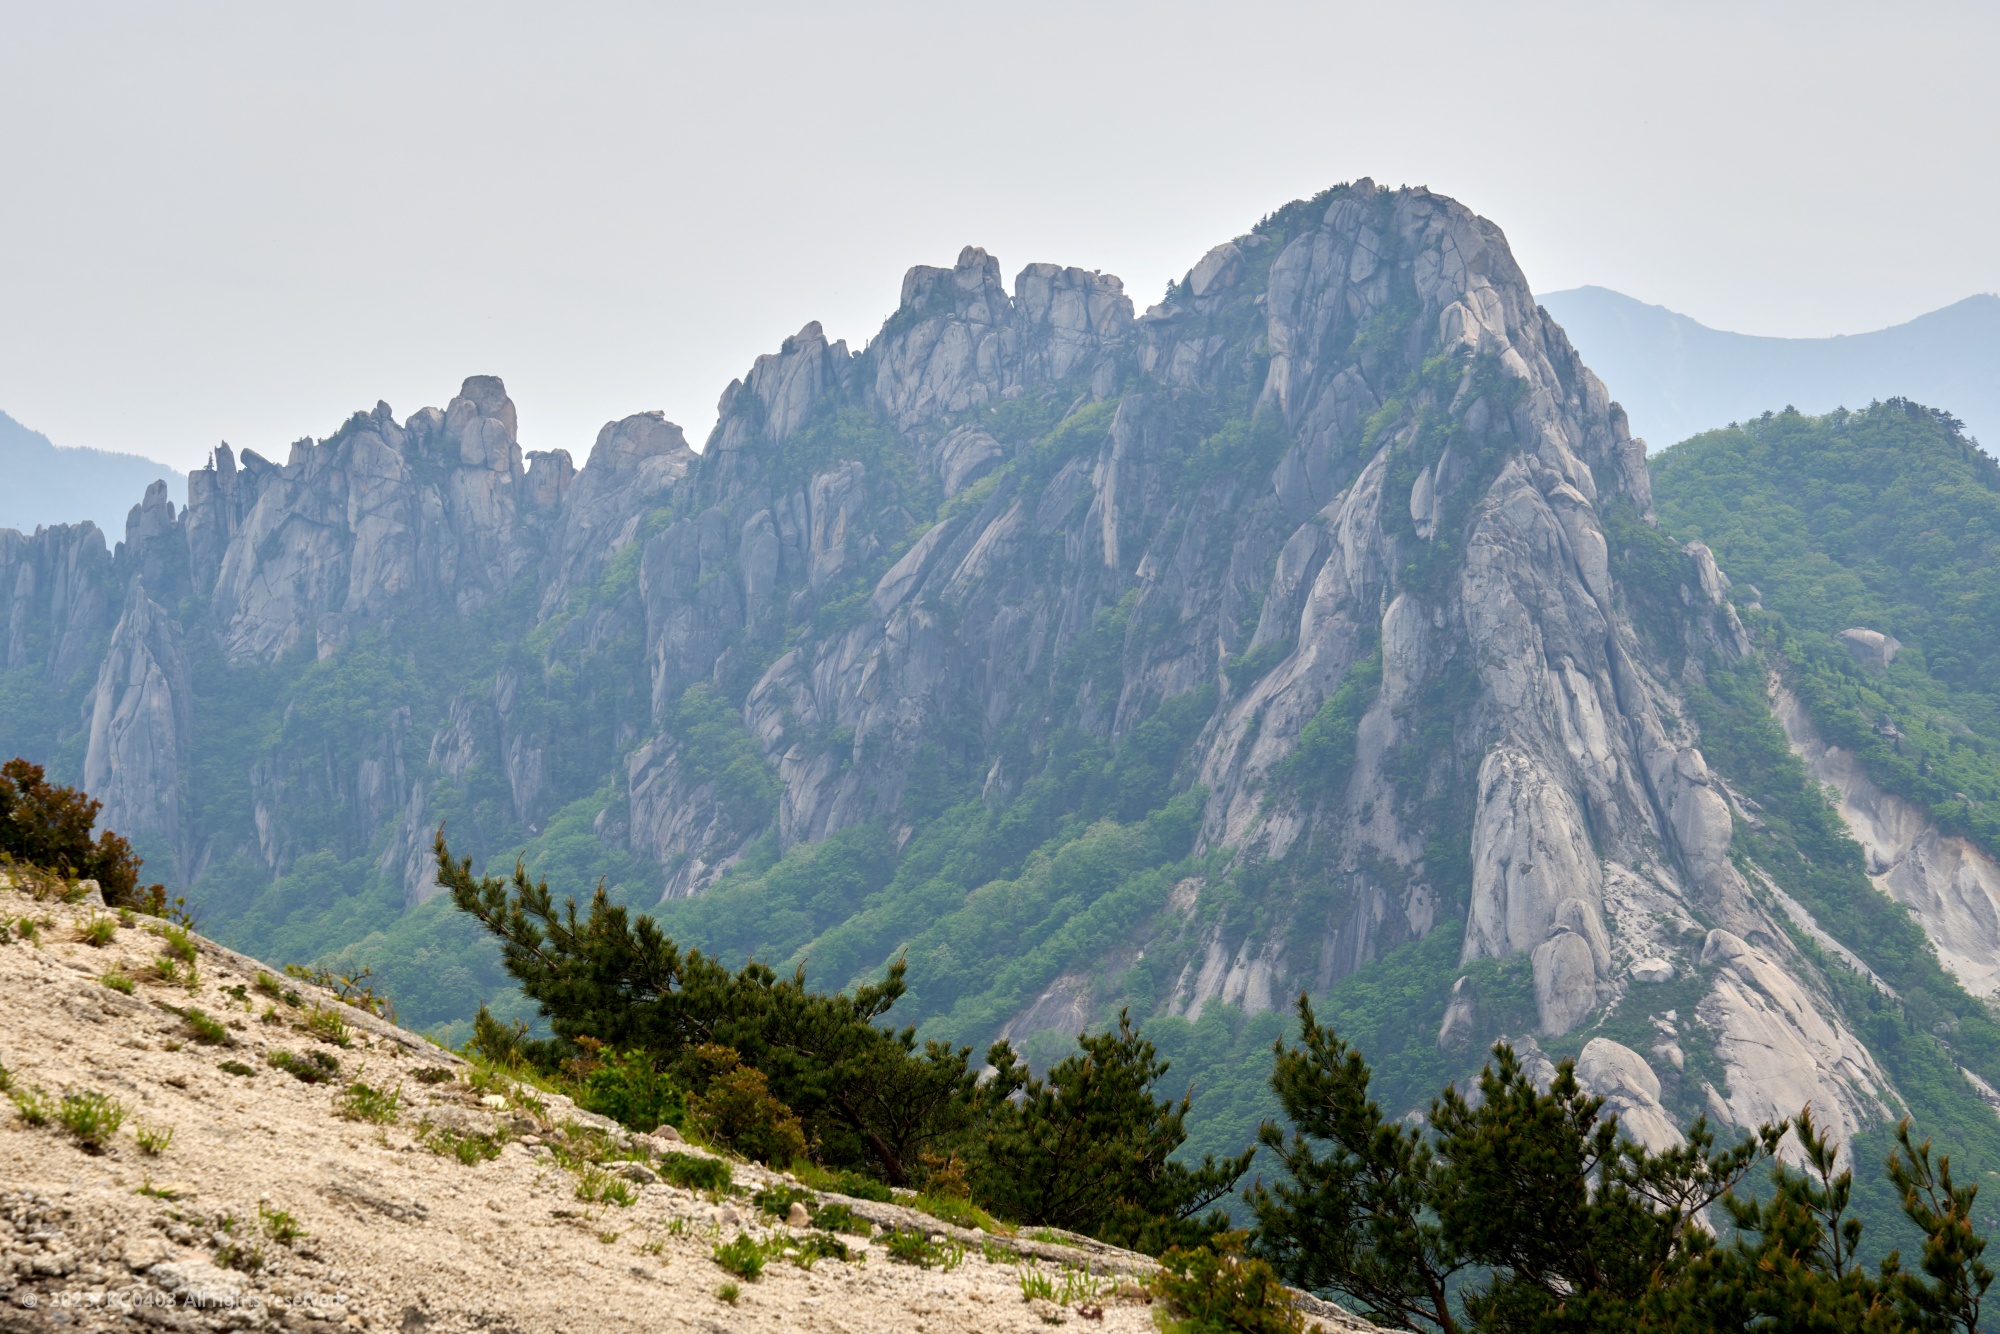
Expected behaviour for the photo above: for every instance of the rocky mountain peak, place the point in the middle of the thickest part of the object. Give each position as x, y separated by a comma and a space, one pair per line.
1303, 590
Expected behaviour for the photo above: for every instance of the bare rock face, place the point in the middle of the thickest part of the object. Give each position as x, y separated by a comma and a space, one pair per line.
1631, 1092
1949, 884
141, 723
1341, 500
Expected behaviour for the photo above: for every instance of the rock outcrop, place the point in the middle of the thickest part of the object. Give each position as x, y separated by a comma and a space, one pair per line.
1339, 504
1950, 884
259, 1205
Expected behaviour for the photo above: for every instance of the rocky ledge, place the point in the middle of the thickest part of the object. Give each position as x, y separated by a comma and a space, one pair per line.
199, 1143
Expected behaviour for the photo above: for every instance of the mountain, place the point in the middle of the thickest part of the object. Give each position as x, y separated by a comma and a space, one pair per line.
1676, 377
1310, 631
48, 484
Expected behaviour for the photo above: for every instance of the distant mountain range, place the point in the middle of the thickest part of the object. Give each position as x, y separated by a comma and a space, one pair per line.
1676, 377
48, 484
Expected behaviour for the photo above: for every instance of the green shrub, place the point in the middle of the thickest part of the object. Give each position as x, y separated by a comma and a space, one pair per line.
98, 931
729, 1292
269, 985
738, 1110
693, 1172
366, 1102
236, 1068
839, 1218
433, 1074
208, 1032
958, 1212
777, 1201
1090, 1149
1218, 1288
91, 1118
118, 979
743, 1257
809, 1249
48, 826
625, 1086
153, 1140
843, 1183
328, 1026
310, 1067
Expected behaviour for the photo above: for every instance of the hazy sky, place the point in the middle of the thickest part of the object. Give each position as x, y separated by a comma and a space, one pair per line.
245, 221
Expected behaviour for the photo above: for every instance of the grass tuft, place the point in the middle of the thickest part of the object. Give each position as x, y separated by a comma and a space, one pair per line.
309, 1067
91, 1118
742, 1257
366, 1102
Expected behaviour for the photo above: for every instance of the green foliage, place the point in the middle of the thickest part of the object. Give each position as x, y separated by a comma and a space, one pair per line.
98, 931
866, 1095
236, 1068
1886, 518
842, 1183
694, 1172
778, 1200
1090, 1148
328, 1026
1324, 755
627, 1087
738, 1111
594, 1185
1250, 666
839, 1218
308, 1067
743, 1257
118, 979
1524, 1209
279, 1225
203, 1029
153, 1140
32, 1105
907, 1246
90, 1118
368, 1102
1217, 1289
469, 1147
716, 749
44, 825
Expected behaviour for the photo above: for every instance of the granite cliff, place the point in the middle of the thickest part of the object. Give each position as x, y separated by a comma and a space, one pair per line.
1183, 659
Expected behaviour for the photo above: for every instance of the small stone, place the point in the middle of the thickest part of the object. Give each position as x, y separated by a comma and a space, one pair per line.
797, 1215
667, 1133
143, 1253
493, 1102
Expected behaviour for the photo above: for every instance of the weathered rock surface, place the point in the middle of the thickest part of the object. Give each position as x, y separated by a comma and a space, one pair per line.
1348, 453
1950, 884
267, 1210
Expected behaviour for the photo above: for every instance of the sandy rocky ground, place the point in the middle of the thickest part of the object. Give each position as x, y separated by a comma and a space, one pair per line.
393, 1234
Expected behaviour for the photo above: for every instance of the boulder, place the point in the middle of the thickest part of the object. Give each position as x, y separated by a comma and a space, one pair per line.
1871, 648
